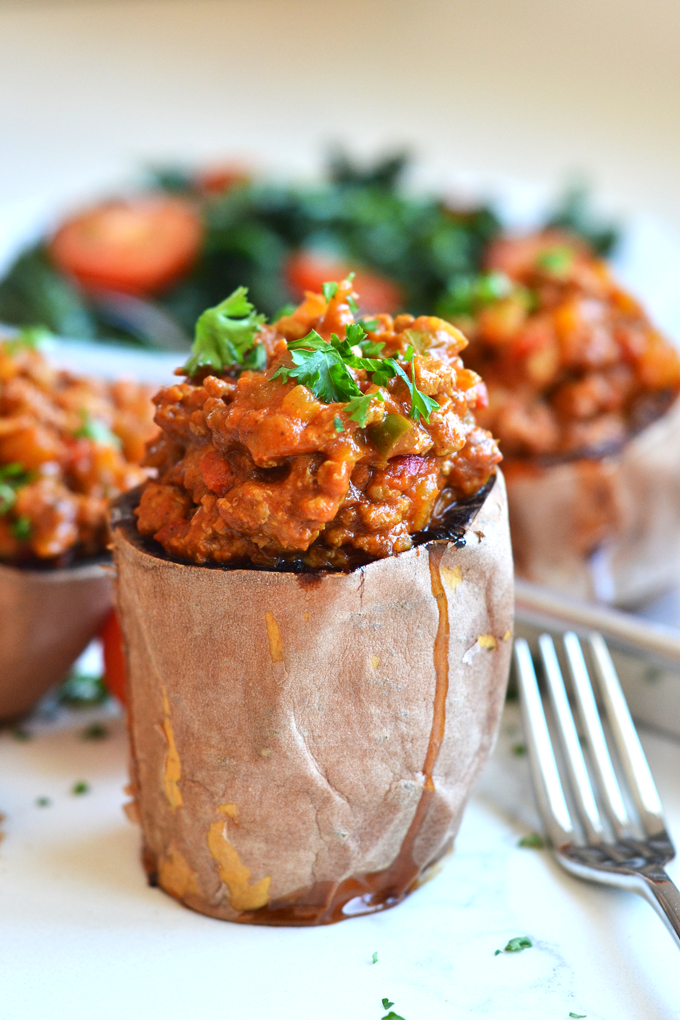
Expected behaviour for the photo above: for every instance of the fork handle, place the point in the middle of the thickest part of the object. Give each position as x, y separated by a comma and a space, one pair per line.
664, 896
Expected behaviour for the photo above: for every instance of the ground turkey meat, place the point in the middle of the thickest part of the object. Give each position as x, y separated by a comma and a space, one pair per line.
252, 467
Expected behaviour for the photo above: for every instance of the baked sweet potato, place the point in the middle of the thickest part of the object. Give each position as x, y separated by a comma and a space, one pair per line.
605, 528
303, 744
47, 618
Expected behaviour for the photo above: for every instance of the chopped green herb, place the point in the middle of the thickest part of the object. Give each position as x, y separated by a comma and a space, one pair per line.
357, 408
80, 787
324, 368
20, 734
337, 424
557, 260
21, 528
96, 430
284, 312
371, 349
42, 801
374, 959
95, 731
12, 477
353, 306
81, 690
29, 336
369, 325
329, 290
256, 358
578, 1016
224, 334
533, 841
468, 294
386, 1003
392, 1016
519, 750
498, 952
517, 944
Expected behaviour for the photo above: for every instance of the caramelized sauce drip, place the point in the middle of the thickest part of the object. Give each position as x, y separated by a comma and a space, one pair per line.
328, 902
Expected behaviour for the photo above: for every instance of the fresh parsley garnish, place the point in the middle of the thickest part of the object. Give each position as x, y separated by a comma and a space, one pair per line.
519, 750
42, 802
374, 959
329, 290
22, 528
578, 1016
391, 1015
533, 841
96, 430
321, 367
79, 788
324, 368
337, 424
31, 337
225, 334
557, 260
353, 306
12, 477
517, 944
284, 312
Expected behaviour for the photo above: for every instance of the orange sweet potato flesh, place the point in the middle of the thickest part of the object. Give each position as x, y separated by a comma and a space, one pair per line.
303, 745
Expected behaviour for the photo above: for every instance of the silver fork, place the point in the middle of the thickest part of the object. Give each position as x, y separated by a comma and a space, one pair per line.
615, 847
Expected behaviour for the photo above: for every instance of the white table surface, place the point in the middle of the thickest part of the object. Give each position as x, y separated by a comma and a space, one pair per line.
82, 936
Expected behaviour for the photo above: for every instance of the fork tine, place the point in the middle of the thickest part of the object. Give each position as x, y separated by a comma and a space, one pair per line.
550, 795
609, 784
638, 774
576, 766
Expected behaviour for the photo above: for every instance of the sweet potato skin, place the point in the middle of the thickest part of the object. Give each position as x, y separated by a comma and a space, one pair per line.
47, 618
602, 529
280, 723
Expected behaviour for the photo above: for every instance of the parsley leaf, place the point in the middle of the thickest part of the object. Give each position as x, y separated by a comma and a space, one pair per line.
224, 334
357, 408
97, 431
30, 336
578, 1016
21, 528
353, 306
329, 290
420, 402
12, 477
337, 424
370, 348
80, 788
321, 368
517, 944
374, 959
519, 750
284, 312
386, 1003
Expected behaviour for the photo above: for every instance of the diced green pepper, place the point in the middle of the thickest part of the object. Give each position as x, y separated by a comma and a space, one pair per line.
387, 433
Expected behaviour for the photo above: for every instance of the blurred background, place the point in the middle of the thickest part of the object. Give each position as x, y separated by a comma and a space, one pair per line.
526, 89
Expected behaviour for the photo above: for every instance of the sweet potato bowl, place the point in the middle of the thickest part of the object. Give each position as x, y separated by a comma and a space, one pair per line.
67, 446
583, 397
316, 597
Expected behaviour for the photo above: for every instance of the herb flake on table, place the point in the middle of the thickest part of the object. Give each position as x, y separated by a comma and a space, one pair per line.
42, 801
519, 750
516, 945
95, 731
374, 959
79, 788
391, 1015
533, 841
578, 1016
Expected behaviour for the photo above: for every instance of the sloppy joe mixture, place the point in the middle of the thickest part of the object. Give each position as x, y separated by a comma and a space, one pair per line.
67, 446
319, 438
572, 364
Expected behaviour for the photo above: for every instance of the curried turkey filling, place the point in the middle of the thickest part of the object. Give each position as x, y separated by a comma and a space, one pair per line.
255, 467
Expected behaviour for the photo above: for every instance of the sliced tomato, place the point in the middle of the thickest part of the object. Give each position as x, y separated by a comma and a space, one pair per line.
308, 271
115, 669
139, 246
